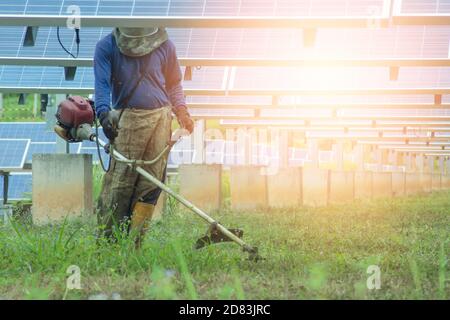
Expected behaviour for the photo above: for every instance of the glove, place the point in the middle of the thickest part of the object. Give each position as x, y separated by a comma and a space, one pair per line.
184, 118
109, 121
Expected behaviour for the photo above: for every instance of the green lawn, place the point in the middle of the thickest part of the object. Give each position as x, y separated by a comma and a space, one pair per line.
309, 253
12, 111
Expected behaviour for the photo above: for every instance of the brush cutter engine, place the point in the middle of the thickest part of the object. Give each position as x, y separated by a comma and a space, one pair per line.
75, 117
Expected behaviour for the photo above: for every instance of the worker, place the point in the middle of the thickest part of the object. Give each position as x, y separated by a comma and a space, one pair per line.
138, 69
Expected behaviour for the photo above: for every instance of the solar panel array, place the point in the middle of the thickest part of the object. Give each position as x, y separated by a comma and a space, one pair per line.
402, 41
40, 140
370, 42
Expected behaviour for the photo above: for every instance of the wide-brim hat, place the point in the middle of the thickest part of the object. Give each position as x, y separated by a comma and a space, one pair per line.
136, 42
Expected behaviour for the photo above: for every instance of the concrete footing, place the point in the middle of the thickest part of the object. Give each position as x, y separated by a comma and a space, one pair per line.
314, 187
425, 182
412, 183
284, 189
445, 181
435, 182
398, 184
248, 188
363, 184
5, 213
62, 186
341, 186
201, 184
382, 184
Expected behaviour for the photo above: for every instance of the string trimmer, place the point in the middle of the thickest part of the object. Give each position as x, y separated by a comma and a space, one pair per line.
75, 118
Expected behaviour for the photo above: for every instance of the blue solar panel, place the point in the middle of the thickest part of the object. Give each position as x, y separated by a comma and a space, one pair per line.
35, 131
48, 147
20, 185
214, 7
13, 153
94, 152
397, 42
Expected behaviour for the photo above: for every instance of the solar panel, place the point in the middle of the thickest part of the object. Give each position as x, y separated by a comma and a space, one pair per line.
35, 131
93, 151
20, 186
13, 153
393, 42
48, 147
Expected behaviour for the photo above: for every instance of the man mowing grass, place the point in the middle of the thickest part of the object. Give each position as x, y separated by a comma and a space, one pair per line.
138, 69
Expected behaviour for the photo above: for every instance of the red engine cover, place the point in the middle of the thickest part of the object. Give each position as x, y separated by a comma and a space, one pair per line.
74, 111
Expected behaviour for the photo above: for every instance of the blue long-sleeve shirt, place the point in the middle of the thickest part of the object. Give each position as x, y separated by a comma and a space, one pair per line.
116, 75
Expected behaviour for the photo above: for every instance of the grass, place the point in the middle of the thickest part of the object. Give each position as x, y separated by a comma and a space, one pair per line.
310, 253
12, 111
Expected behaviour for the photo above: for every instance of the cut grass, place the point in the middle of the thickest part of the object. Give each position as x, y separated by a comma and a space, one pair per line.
310, 253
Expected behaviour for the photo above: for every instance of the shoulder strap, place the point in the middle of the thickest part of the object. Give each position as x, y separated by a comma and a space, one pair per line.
142, 71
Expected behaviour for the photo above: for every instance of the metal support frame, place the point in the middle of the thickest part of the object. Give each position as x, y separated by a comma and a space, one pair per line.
5, 175
274, 22
69, 73
246, 62
250, 92
1, 104
384, 20
30, 36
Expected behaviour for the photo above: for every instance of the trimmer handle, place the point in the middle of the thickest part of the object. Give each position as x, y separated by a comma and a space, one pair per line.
177, 135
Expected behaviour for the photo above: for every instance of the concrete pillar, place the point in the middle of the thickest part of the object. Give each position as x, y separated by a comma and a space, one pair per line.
425, 181
201, 184
435, 181
359, 157
284, 189
385, 157
430, 164
445, 182
341, 186
313, 153
382, 184
378, 157
395, 158
441, 165
6, 212
283, 148
338, 150
62, 186
363, 184
420, 162
199, 141
62, 146
408, 161
314, 187
1, 104
35, 104
398, 183
248, 188
412, 183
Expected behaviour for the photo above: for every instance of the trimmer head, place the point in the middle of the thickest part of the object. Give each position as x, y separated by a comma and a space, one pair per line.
214, 235
253, 254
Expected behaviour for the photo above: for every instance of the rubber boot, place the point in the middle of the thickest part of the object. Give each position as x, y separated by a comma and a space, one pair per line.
142, 214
